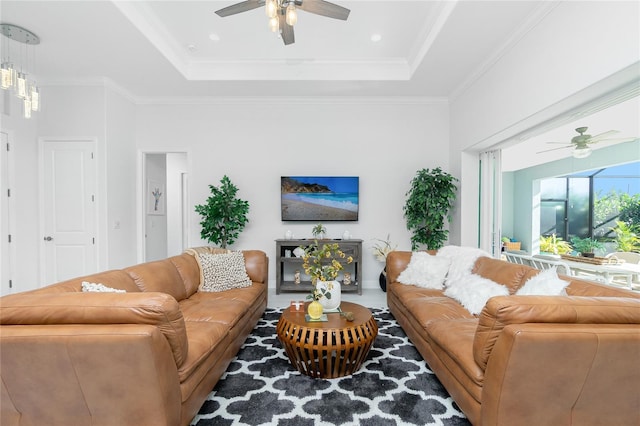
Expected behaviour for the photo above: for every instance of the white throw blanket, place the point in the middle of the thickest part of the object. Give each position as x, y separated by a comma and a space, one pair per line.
462, 261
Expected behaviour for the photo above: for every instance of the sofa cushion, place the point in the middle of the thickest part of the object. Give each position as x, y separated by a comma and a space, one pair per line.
546, 283
161, 276
510, 274
223, 271
425, 270
473, 292
502, 311
452, 342
157, 309
189, 271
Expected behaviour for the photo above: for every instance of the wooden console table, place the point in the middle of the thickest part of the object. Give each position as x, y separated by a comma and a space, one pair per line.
287, 264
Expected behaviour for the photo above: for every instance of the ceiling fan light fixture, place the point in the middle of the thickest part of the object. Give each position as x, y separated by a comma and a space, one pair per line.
274, 26
581, 152
292, 15
271, 8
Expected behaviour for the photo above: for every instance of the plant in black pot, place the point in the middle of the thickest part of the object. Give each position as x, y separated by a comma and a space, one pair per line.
586, 246
429, 201
224, 215
380, 250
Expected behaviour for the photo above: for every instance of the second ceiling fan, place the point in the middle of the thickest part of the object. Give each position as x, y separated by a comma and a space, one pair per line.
283, 13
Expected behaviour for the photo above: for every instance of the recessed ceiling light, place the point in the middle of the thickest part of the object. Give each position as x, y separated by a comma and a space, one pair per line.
192, 47
376, 38
214, 37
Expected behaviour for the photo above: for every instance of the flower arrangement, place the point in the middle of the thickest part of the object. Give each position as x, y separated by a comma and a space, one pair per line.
322, 262
382, 249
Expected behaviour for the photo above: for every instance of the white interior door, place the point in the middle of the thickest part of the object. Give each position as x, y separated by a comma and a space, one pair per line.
68, 215
6, 211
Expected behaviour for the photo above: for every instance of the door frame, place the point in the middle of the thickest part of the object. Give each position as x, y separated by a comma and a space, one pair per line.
41, 200
141, 184
7, 207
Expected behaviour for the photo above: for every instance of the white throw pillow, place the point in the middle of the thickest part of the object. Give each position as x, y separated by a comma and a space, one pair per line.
546, 283
425, 270
462, 260
223, 271
99, 288
473, 292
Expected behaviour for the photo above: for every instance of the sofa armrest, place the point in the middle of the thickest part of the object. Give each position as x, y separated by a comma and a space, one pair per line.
502, 311
563, 373
157, 309
257, 265
397, 262
72, 375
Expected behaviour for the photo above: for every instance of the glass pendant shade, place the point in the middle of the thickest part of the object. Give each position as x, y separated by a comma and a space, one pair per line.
273, 24
271, 8
583, 152
6, 75
35, 98
27, 108
292, 15
21, 85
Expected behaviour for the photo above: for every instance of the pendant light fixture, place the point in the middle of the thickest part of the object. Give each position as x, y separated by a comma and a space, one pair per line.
14, 66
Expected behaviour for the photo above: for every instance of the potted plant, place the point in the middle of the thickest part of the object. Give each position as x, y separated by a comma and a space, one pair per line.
429, 201
555, 245
586, 246
380, 250
627, 238
322, 262
224, 215
319, 231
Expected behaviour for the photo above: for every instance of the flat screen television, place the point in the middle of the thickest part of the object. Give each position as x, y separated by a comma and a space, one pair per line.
319, 198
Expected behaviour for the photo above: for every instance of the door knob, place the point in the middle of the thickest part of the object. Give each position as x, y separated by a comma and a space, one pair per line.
48, 239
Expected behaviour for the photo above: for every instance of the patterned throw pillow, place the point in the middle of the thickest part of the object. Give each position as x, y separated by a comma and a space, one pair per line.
223, 271
99, 288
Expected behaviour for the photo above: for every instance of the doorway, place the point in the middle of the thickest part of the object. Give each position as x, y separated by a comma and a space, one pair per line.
164, 182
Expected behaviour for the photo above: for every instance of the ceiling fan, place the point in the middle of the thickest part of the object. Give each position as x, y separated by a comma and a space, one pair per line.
283, 13
581, 143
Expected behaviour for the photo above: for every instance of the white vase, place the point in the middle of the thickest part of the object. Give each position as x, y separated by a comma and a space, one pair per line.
333, 288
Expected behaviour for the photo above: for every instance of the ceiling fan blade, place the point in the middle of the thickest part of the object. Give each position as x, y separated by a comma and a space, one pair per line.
324, 8
601, 136
286, 30
240, 7
554, 149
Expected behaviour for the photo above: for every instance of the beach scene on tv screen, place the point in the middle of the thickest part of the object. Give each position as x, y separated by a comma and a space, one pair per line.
316, 198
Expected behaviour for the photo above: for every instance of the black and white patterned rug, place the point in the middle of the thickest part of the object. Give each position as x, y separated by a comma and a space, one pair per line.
394, 386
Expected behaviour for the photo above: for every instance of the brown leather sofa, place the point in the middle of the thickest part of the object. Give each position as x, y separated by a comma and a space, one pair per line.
149, 356
528, 360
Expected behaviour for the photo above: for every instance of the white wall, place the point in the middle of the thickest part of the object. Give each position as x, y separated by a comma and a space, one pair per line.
575, 46
254, 142
120, 177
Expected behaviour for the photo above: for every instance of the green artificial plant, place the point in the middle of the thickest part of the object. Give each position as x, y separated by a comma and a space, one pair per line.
429, 201
627, 238
586, 245
223, 216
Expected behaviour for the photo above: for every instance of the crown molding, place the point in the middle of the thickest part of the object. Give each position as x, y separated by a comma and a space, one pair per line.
429, 33
295, 100
542, 10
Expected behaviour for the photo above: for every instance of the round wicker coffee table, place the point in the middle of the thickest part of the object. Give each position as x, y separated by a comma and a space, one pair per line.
330, 349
